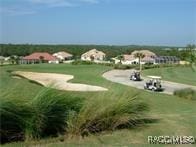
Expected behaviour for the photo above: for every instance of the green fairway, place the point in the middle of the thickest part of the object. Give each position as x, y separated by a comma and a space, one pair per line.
174, 115
176, 74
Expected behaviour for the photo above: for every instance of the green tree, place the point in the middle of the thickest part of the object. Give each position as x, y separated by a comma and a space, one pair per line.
2, 60
41, 59
120, 57
92, 58
190, 50
12, 60
140, 56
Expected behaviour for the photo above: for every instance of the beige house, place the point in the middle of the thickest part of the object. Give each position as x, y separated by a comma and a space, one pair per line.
62, 56
131, 59
93, 55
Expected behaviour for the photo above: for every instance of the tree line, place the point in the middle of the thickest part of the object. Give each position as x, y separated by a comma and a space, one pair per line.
77, 50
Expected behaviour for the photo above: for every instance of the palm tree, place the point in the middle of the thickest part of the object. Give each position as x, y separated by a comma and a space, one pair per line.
12, 59
120, 57
190, 49
92, 58
41, 58
140, 56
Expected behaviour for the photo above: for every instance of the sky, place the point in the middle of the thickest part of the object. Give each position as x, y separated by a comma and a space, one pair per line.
108, 22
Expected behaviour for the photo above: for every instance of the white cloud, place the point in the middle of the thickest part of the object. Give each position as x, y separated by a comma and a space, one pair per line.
53, 3
13, 11
63, 3
32, 6
90, 1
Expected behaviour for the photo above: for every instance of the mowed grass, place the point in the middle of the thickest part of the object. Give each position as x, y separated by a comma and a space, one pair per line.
174, 115
176, 74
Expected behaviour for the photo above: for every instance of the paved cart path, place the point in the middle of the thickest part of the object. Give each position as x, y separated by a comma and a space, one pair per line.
122, 77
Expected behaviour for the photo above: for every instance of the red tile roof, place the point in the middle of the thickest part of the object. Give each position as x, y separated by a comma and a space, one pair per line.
37, 55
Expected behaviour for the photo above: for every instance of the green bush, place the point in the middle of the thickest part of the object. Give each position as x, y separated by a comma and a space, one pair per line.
145, 66
14, 115
103, 114
80, 62
121, 66
50, 112
45, 115
187, 93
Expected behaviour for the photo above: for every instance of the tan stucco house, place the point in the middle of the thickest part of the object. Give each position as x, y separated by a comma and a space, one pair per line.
93, 55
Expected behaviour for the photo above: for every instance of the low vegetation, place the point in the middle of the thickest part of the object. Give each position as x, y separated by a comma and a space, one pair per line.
175, 115
51, 114
44, 115
187, 93
145, 66
179, 74
14, 114
103, 114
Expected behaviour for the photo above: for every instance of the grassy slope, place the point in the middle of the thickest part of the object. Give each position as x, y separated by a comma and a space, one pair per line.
178, 74
176, 115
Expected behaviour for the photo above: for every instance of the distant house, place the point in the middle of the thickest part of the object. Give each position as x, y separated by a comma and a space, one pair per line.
149, 58
181, 49
132, 59
184, 63
2, 59
93, 55
63, 56
129, 59
39, 57
115, 60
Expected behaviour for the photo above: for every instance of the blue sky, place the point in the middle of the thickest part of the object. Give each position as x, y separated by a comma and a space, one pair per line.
112, 22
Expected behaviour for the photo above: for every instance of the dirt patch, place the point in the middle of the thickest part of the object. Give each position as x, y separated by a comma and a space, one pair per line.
58, 81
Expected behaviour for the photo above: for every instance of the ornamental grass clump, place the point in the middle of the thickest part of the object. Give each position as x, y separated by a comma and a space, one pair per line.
44, 115
14, 114
187, 93
50, 113
103, 114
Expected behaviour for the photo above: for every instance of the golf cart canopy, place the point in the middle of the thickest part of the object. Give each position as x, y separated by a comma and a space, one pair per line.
154, 77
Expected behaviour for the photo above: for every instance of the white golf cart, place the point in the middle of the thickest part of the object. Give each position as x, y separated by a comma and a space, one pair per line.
135, 76
154, 83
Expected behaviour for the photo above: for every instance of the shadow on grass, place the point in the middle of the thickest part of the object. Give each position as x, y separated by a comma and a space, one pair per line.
17, 75
138, 123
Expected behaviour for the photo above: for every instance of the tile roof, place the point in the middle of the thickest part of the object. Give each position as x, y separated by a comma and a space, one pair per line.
37, 55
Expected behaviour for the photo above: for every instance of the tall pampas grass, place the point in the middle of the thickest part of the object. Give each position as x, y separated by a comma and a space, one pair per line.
103, 113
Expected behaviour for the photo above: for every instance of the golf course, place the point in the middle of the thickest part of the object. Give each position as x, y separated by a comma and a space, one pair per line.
179, 74
167, 114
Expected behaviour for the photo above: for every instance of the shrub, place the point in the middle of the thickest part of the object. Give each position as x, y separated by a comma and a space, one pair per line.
50, 112
121, 66
80, 62
9, 71
14, 115
145, 66
105, 114
187, 93
45, 115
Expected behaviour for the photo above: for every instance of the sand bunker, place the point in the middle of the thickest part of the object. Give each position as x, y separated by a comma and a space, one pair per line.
58, 81
16, 77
